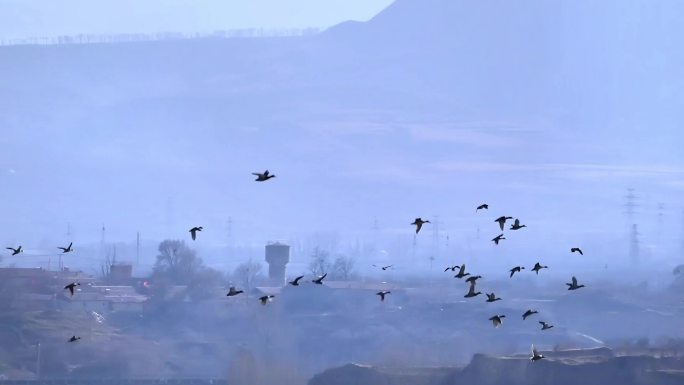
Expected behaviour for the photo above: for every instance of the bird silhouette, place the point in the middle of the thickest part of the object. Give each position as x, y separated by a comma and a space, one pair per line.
15, 251
528, 313
452, 268
66, 249
483, 206
295, 282
232, 292
516, 225
263, 177
492, 298
497, 320
382, 294
535, 355
264, 300
74, 339
545, 326
502, 221
71, 287
574, 285
538, 267
471, 292
516, 270
473, 278
194, 230
419, 224
383, 268
498, 238
319, 280
461, 272
576, 250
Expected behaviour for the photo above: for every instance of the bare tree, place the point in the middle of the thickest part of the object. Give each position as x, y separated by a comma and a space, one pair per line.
246, 274
320, 263
343, 268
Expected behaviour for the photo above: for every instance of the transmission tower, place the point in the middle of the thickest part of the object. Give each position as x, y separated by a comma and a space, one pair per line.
630, 205
634, 244
376, 229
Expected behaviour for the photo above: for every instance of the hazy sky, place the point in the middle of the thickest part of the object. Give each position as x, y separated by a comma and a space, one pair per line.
37, 18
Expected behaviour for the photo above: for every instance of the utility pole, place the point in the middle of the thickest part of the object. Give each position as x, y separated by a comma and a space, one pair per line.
38, 361
435, 236
137, 248
102, 242
229, 236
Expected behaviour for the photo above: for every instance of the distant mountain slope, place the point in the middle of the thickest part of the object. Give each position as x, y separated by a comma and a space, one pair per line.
515, 100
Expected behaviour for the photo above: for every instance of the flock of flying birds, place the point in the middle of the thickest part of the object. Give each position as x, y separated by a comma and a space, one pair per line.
497, 319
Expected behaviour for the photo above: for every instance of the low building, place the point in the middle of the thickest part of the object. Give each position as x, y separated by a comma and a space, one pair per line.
103, 299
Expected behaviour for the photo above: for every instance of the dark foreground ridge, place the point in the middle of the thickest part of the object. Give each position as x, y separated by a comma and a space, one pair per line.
558, 369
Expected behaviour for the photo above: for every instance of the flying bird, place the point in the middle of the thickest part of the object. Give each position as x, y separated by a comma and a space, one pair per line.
471, 292
516, 225
452, 268
576, 250
319, 280
483, 206
492, 298
232, 292
535, 355
264, 300
419, 224
528, 313
473, 278
194, 230
295, 282
538, 267
498, 238
502, 221
74, 339
516, 270
383, 268
66, 249
574, 285
15, 251
263, 177
545, 326
71, 287
382, 294
461, 272
497, 320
